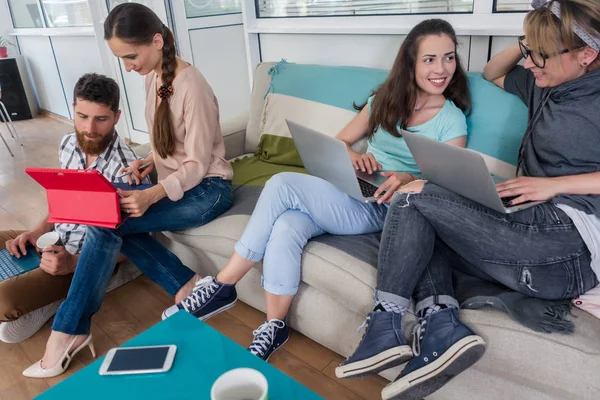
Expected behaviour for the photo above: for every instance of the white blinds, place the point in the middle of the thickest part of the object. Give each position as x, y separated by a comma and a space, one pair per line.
204, 8
307, 8
512, 5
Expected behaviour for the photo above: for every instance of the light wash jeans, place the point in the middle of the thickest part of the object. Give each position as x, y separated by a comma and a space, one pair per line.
292, 209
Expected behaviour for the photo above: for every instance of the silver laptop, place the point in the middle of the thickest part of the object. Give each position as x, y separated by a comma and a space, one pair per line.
460, 170
328, 158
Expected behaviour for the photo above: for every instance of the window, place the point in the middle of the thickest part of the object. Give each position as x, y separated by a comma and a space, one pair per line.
26, 13
203, 8
512, 5
310, 8
67, 13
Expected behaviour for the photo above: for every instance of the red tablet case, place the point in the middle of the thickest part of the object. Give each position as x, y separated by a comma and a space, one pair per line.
79, 197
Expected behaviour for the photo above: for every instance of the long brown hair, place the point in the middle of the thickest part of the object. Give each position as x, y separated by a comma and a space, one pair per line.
548, 34
396, 98
137, 24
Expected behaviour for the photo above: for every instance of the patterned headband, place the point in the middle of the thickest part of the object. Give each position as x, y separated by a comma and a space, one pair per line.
592, 41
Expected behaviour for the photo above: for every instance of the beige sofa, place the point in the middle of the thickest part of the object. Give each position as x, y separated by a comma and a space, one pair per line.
337, 290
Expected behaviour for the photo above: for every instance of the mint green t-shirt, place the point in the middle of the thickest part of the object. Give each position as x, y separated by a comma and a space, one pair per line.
393, 153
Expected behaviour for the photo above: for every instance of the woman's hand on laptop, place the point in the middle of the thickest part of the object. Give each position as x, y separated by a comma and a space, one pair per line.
364, 162
394, 182
528, 189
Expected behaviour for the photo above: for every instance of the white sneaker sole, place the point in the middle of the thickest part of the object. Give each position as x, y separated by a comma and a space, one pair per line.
21, 329
426, 380
372, 365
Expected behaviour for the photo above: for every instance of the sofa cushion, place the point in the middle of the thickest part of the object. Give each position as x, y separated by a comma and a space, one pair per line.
495, 125
261, 83
276, 145
252, 171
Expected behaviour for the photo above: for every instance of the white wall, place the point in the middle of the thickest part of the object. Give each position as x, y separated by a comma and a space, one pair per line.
56, 63
133, 96
502, 42
44, 72
5, 27
88, 60
220, 54
373, 51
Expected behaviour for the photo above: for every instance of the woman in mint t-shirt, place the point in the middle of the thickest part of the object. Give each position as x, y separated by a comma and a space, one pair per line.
426, 91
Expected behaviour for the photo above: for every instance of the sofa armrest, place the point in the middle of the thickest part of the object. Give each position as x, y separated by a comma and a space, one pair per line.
234, 134
142, 150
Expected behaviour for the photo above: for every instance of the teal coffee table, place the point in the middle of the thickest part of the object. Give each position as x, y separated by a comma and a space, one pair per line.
203, 354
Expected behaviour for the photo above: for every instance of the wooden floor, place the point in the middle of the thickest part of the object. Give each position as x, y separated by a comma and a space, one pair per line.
137, 306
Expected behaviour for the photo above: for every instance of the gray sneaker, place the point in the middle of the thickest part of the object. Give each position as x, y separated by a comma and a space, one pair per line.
23, 328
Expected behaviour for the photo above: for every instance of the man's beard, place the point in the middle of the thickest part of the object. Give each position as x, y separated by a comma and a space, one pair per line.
93, 148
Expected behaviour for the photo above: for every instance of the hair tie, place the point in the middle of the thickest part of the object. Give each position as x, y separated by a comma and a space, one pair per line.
591, 40
539, 3
164, 92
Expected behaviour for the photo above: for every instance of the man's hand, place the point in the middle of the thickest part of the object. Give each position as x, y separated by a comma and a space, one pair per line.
56, 260
16, 247
395, 181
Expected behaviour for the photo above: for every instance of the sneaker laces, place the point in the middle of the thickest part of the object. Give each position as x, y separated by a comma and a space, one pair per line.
421, 327
418, 334
391, 307
264, 336
202, 291
365, 322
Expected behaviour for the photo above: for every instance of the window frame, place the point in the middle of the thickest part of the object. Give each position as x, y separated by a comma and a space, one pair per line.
211, 15
257, 13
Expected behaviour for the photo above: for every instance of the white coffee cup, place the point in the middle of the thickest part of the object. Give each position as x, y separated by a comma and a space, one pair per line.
47, 240
240, 384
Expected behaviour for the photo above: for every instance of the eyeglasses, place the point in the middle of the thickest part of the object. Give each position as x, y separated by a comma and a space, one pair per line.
538, 59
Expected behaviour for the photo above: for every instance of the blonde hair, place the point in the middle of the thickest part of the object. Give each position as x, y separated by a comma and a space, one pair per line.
548, 34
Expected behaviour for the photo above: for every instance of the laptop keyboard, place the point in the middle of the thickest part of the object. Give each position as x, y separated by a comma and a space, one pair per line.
8, 268
506, 201
367, 189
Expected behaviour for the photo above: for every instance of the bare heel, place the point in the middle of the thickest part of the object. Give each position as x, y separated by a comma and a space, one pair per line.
92, 349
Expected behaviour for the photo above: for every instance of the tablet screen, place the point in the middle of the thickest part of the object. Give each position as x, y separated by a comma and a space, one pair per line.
138, 359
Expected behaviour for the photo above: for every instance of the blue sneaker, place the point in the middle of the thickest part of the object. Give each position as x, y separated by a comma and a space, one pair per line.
269, 337
382, 346
443, 347
208, 298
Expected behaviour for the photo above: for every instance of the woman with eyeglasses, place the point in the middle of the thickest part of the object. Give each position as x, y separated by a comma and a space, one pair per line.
549, 251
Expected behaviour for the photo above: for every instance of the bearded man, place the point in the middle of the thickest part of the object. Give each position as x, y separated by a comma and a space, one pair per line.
27, 301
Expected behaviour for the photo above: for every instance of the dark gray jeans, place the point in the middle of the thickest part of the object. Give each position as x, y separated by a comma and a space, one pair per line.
536, 251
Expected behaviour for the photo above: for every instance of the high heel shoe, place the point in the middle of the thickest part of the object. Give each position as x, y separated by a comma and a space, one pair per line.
37, 371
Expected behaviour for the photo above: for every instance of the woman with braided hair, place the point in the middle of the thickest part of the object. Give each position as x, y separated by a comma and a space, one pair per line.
194, 182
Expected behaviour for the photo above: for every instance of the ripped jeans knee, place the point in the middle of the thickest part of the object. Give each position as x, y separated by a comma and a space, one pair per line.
402, 197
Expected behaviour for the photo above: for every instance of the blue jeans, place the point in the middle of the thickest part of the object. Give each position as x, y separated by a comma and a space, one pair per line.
199, 205
536, 251
292, 209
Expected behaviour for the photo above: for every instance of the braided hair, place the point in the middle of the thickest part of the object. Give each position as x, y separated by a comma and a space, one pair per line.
137, 24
